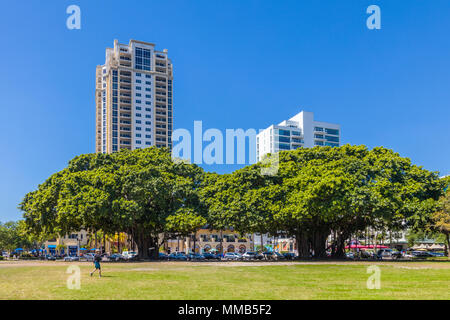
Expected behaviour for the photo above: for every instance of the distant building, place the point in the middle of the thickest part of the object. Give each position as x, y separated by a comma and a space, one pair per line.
134, 98
69, 244
299, 131
207, 240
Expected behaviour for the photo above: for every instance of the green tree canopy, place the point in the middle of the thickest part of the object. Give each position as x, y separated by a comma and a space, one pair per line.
323, 189
441, 220
12, 236
130, 191
315, 191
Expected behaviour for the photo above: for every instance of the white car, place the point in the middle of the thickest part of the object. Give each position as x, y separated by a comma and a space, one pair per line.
251, 255
408, 255
128, 255
232, 256
384, 254
88, 257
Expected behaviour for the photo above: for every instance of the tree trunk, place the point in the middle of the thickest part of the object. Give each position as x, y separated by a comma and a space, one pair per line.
302, 245
340, 245
319, 241
142, 241
390, 239
375, 244
447, 246
118, 242
195, 238
154, 248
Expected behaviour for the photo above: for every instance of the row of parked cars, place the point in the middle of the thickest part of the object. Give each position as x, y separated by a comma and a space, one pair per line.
229, 256
115, 257
390, 254
127, 256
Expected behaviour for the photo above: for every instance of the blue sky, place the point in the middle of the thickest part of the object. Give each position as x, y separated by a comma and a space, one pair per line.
237, 64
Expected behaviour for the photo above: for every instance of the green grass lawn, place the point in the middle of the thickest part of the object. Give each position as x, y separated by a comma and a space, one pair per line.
162, 280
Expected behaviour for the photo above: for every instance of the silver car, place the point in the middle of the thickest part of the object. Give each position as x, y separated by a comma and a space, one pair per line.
232, 256
88, 257
71, 258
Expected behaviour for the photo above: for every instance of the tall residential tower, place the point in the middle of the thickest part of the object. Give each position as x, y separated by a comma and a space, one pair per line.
299, 131
134, 98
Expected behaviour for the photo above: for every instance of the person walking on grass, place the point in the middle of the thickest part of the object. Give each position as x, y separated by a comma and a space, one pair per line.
97, 259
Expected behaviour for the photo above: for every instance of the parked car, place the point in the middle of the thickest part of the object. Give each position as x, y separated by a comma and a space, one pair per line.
408, 255
289, 255
71, 258
163, 256
396, 254
50, 257
436, 254
129, 255
116, 257
267, 255
272, 255
232, 256
421, 254
350, 255
195, 256
88, 257
277, 256
385, 253
259, 256
177, 256
211, 256
364, 254
250, 255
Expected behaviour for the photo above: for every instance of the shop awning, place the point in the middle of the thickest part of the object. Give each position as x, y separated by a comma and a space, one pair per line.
52, 246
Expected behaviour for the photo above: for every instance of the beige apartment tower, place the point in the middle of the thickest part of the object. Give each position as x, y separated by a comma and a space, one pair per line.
133, 98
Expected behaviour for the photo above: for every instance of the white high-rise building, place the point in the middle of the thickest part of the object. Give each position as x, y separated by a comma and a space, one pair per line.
299, 131
134, 98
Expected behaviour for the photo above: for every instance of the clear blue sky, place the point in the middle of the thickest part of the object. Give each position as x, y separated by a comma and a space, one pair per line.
237, 64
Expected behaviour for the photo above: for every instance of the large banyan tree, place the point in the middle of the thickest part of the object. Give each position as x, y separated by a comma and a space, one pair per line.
314, 192
321, 190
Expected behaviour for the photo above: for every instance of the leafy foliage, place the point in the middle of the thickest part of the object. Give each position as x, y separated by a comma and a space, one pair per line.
131, 191
322, 189
316, 192
441, 219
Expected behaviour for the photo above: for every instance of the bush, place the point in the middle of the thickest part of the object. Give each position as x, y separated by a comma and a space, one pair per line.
2, 258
